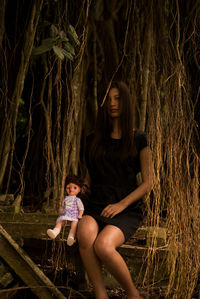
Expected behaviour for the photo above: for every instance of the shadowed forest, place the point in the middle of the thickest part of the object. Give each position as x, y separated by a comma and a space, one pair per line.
57, 59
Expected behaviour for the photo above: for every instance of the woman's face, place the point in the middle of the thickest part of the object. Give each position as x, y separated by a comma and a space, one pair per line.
114, 110
72, 189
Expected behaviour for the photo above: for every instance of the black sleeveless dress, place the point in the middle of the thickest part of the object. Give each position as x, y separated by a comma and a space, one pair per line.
111, 181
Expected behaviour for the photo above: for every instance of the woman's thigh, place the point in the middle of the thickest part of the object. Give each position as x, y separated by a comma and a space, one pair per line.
87, 231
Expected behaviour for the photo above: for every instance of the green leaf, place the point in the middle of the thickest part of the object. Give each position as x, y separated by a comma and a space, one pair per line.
62, 53
62, 34
65, 39
58, 51
73, 35
40, 50
48, 42
67, 54
21, 101
54, 30
46, 46
69, 48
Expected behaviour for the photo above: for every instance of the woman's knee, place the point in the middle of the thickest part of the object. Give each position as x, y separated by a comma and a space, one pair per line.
109, 239
103, 248
87, 231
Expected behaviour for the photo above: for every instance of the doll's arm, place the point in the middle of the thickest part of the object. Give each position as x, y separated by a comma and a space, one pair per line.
80, 214
80, 208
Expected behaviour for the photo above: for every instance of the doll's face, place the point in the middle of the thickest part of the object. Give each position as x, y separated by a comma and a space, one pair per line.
72, 189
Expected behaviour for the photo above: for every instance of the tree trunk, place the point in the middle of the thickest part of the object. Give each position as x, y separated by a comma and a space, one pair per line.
2, 22
146, 68
9, 130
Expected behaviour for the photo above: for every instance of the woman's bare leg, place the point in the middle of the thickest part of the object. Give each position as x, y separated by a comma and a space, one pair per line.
86, 234
105, 246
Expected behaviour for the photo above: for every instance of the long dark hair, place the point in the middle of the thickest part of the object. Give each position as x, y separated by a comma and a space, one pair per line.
104, 125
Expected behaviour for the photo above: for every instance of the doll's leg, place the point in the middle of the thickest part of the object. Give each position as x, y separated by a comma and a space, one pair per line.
73, 228
52, 233
72, 233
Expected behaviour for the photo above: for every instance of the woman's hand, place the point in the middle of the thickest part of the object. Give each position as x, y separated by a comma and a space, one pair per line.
113, 209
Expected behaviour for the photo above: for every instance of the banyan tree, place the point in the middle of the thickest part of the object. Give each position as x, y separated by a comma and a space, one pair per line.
57, 59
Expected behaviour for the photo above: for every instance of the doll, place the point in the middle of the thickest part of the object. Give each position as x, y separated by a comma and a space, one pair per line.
71, 210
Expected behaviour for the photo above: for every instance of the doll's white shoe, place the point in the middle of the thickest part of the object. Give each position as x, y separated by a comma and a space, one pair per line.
52, 233
70, 240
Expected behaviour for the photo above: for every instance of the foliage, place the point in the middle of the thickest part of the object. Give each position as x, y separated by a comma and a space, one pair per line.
63, 44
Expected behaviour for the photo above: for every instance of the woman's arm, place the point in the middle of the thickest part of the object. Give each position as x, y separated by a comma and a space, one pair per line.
147, 178
145, 187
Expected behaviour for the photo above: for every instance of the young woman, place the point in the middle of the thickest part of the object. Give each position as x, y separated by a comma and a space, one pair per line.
115, 155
